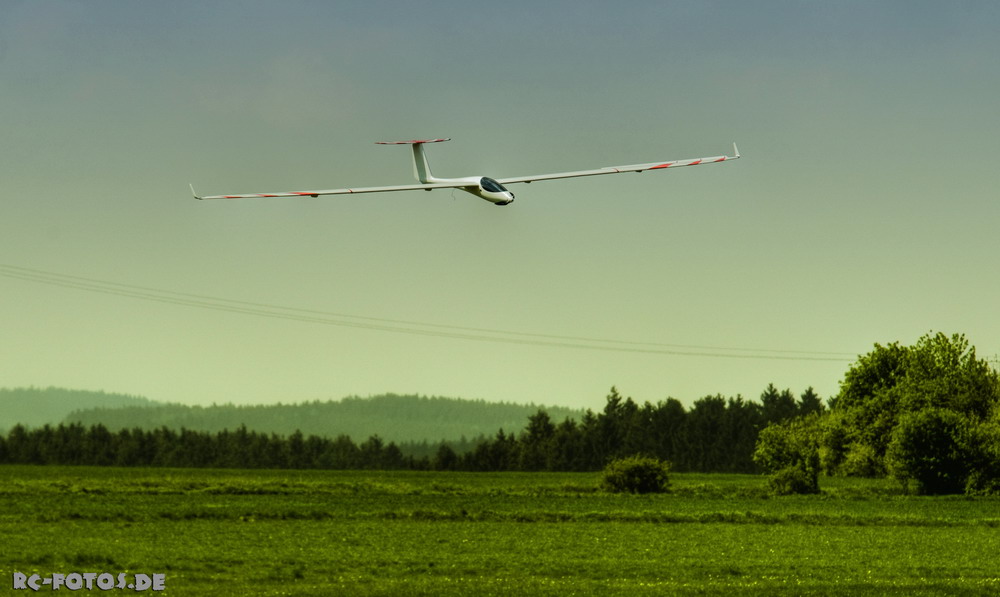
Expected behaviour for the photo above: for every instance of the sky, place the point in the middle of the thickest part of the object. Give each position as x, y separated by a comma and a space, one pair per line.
864, 208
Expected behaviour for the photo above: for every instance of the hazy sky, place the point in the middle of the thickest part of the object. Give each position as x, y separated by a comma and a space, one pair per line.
865, 208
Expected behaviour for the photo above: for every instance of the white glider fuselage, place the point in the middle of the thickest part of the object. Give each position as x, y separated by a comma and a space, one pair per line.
483, 187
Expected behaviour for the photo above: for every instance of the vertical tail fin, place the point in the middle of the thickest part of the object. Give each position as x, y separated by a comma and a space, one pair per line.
421, 169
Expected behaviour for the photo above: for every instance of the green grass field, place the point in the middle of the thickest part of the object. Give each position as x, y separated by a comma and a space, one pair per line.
228, 532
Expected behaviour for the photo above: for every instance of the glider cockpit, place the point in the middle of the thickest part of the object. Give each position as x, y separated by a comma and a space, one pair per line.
492, 190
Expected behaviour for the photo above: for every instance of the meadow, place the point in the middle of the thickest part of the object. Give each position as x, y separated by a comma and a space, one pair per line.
282, 532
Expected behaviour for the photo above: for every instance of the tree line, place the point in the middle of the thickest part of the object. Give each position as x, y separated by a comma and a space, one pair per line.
716, 434
74, 444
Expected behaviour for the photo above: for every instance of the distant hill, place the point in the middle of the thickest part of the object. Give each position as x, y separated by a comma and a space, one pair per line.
391, 417
34, 407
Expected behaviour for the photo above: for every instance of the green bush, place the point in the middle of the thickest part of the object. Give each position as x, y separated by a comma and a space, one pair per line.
793, 480
936, 448
636, 474
790, 452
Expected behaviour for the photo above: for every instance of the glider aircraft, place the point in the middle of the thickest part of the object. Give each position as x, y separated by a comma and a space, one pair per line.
492, 190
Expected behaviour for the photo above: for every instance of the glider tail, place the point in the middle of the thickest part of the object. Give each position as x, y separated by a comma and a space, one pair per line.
421, 169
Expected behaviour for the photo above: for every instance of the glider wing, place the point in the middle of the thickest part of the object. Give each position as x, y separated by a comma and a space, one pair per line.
409, 187
620, 169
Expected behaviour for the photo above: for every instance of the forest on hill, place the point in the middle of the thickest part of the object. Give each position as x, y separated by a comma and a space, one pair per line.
34, 407
394, 418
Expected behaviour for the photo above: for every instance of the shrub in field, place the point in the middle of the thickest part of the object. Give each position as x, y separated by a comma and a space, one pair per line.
792, 480
636, 474
935, 447
789, 451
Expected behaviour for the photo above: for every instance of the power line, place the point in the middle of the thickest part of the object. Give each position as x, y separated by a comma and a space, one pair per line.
402, 326
134, 291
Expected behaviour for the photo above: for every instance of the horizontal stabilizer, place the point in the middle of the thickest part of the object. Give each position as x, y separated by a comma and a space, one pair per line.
411, 142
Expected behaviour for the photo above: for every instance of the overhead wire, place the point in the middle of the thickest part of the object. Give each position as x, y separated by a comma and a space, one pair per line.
402, 326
